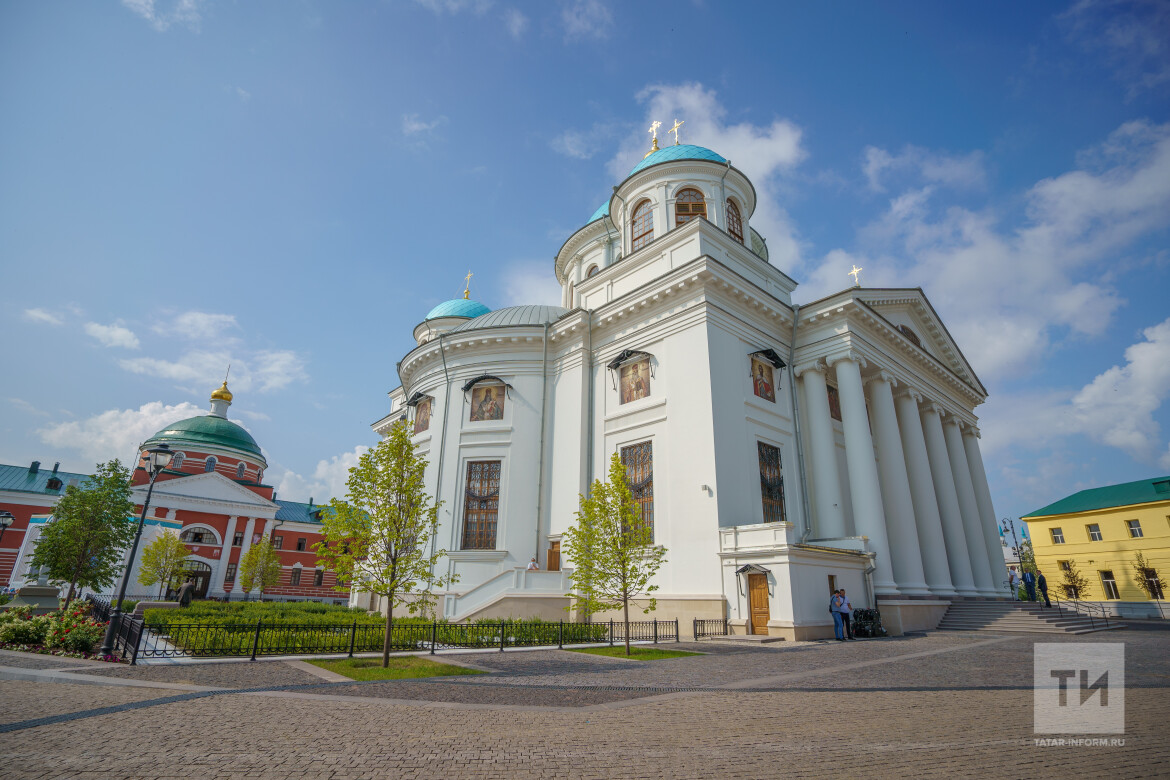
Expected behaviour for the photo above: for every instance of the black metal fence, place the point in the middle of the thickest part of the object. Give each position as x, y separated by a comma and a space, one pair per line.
704, 627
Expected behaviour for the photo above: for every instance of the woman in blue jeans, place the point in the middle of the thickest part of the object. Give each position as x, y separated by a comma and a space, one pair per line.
836, 603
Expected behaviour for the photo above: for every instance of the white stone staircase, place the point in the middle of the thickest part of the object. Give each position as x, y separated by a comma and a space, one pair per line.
1018, 617
510, 583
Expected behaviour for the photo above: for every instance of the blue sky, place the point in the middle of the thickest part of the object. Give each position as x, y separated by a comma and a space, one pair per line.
290, 186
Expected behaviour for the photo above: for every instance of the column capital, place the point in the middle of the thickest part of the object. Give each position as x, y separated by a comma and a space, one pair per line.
809, 365
934, 408
882, 376
848, 354
971, 430
910, 392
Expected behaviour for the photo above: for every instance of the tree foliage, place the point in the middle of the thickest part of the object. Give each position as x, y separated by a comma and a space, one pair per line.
381, 538
1075, 583
91, 528
1028, 558
161, 560
1146, 576
612, 549
260, 567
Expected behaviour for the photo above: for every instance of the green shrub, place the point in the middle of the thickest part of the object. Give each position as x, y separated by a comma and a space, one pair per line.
73, 629
28, 630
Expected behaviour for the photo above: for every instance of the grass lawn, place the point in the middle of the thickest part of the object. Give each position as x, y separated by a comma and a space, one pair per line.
401, 668
639, 652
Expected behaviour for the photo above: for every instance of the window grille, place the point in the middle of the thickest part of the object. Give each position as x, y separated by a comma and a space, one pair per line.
734, 221
639, 462
771, 482
1057, 536
643, 225
688, 205
481, 505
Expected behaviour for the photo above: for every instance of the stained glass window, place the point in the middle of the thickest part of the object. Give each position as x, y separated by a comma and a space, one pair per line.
688, 205
643, 225
771, 482
734, 221
481, 505
639, 462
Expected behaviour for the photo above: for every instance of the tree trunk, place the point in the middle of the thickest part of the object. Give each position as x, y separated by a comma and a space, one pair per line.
389, 630
626, 620
69, 598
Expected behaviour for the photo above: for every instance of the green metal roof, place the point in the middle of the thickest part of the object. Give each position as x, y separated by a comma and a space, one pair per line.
20, 479
1143, 491
208, 429
296, 512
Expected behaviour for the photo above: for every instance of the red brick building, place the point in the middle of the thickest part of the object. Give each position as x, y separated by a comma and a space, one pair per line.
214, 494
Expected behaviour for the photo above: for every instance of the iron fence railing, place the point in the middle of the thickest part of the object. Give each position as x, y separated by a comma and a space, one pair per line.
705, 627
201, 640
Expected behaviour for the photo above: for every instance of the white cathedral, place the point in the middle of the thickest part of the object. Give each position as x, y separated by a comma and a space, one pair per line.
781, 451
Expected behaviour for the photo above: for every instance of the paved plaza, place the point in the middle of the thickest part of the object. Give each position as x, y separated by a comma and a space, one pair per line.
945, 704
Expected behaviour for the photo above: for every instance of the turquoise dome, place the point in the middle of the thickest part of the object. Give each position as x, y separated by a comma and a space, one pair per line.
680, 152
209, 429
602, 211
459, 307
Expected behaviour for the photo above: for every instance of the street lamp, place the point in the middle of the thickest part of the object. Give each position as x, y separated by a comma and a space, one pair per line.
157, 459
6, 519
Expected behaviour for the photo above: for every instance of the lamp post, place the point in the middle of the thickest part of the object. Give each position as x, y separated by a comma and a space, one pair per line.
6, 519
157, 459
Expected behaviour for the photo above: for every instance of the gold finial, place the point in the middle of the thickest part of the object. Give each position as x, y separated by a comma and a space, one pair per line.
677, 125
856, 279
222, 394
654, 131
467, 287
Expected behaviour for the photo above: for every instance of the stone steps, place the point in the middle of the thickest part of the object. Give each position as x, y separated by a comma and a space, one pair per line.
1016, 617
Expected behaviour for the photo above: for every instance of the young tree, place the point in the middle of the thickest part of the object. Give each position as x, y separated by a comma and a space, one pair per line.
612, 549
379, 539
260, 567
1028, 558
161, 560
1075, 583
91, 528
1146, 576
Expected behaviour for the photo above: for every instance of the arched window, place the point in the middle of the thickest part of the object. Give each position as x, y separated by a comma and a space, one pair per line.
592, 270
209, 464
905, 331
177, 461
689, 204
240, 470
734, 221
643, 225
259, 475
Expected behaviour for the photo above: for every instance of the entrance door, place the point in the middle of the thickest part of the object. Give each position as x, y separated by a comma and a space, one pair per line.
554, 556
758, 599
199, 573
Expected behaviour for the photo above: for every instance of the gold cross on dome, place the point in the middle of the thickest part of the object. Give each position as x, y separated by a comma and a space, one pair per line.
856, 279
677, 125
467, 288
654, 128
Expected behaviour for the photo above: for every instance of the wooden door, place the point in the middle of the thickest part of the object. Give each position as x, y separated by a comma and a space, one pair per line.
758, 599
553, 563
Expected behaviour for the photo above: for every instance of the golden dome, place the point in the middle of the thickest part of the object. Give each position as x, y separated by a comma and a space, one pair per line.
222, 394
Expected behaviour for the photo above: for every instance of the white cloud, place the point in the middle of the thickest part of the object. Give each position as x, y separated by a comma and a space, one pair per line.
516, 23
1131, 37
27, 408
184, 12
531, 283
412, 125
116, 433
586, 19
42, 316
327, 481
1116, 408
243, 94
197, 325
934, 167
196, 370
1010, 289
763, 152
112, 335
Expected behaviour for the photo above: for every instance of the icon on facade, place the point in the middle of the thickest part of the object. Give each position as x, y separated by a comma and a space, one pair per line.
635, 382
762, 383
487, 403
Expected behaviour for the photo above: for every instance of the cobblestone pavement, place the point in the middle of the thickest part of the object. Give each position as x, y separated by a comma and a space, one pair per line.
940, 705
225, 675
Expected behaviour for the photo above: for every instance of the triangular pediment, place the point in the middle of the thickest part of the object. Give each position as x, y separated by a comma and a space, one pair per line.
210, 488
910, 309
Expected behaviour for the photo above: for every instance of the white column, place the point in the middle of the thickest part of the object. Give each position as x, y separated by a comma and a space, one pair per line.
225, 552
969, 508
830, 518
926, 517
899, 506
988, 522
248, 529
869, 519
948, 502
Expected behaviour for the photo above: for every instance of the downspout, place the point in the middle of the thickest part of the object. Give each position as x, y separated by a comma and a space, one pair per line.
543, 416
796, 427
442, 447
621, 233
589, 433
723, 192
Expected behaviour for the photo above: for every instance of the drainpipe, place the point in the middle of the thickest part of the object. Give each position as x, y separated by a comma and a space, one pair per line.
589, 433
621, 234
442, 445
796, 427
723, 193
543, 415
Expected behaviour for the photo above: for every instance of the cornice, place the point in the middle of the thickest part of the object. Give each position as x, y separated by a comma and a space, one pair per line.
670, 169
576, 243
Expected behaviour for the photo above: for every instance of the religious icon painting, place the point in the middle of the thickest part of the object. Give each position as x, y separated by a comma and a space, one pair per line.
422, 415
487, 403
762, 384
635, 380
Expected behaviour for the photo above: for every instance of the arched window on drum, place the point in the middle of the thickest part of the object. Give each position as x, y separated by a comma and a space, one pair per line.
209, 464
734, 221
688, 205
642, 225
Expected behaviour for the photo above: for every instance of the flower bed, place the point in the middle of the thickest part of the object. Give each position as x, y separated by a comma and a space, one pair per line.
70, 632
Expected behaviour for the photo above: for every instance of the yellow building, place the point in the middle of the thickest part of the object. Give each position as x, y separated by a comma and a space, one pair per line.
1102, 530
